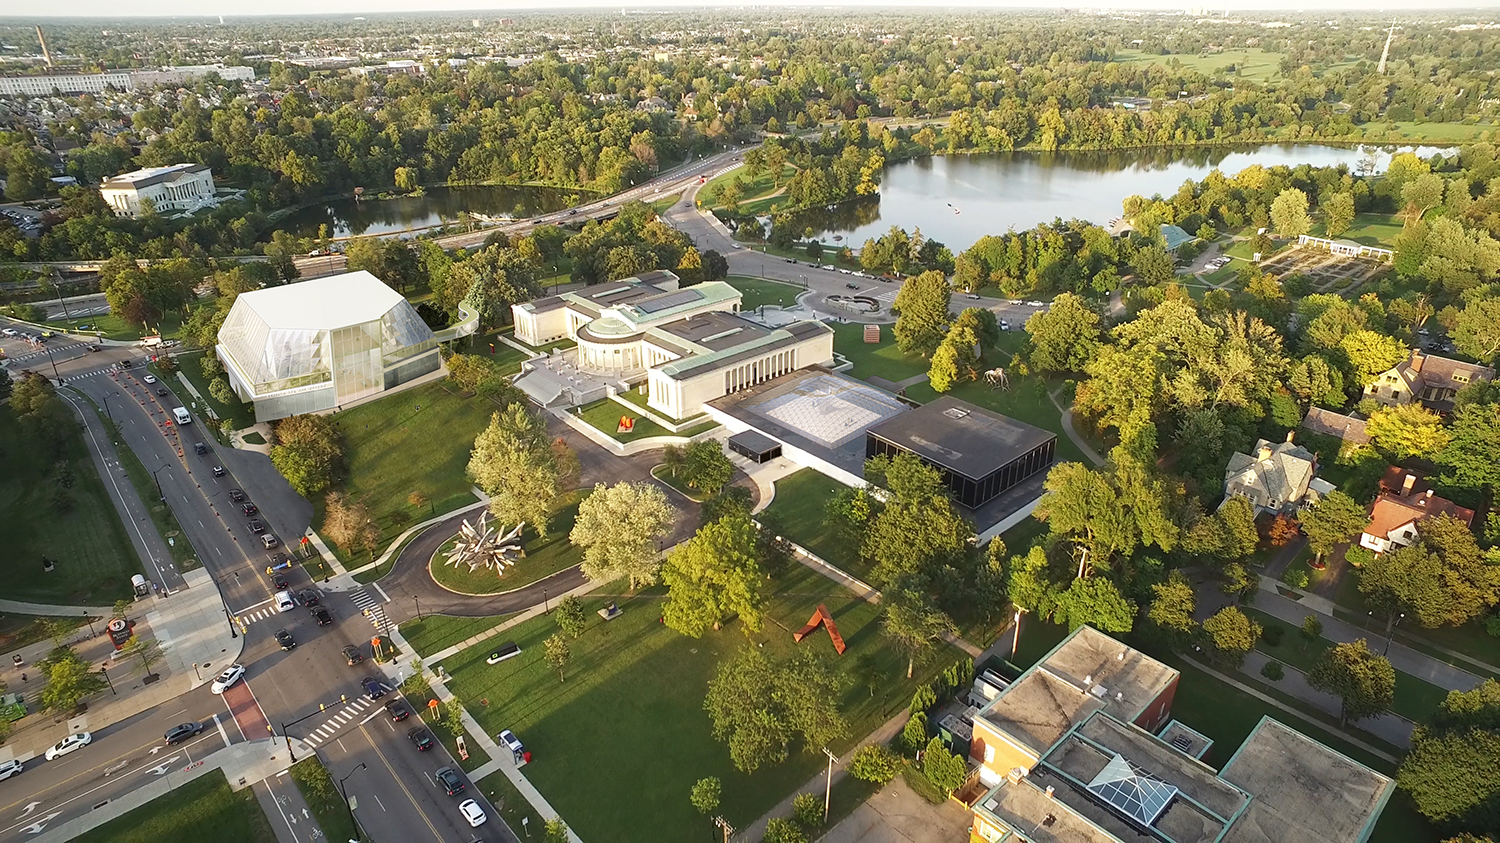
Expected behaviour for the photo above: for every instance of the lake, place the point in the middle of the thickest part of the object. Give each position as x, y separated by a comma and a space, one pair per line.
956, 199
350, 217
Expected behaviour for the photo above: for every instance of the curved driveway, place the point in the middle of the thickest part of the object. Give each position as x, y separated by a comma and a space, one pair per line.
409, 581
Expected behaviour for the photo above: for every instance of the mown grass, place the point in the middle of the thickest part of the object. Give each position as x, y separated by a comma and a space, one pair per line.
545, 555
203, 809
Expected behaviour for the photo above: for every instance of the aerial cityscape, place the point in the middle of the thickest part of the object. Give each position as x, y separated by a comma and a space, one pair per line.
861, 424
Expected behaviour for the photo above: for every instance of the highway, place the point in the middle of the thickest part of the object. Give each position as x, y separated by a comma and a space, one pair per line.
279, 687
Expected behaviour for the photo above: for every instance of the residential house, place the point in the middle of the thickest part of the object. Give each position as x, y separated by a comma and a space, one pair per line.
1277, 478
1081, 748
1428, 378
1404, 502
1174, 237
1350, 429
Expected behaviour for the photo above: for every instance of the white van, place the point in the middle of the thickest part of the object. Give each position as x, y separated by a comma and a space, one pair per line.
182, 415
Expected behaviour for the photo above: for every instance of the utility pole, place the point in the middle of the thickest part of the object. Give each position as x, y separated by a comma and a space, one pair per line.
828, 790
724, 824
1016, 641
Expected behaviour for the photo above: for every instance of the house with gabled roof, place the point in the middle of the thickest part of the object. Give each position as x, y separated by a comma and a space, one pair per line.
1396, 516
1276, 478
1429, 378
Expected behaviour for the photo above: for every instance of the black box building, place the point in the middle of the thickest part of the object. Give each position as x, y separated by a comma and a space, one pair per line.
980, 454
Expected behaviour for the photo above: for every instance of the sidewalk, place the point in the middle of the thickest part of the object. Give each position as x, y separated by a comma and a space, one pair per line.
1402, 657
16, 607
243, 764
500, 759
1391, 728
190, 627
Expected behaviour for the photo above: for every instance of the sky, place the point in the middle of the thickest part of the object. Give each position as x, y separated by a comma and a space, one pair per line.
1484, 10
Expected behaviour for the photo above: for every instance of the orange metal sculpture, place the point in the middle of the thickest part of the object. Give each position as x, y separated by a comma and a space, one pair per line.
823, 619
627, 424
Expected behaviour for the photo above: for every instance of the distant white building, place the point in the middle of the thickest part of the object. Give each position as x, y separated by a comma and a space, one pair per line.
43, 85
180, 187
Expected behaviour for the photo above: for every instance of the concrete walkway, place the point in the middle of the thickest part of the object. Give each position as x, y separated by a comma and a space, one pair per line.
1391, 728
757, 830
1072, 432
1402, 657
1292, 712
17, 607
417, 528
243, 764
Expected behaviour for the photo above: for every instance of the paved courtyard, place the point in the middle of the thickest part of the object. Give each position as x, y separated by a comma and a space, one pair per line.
898, 815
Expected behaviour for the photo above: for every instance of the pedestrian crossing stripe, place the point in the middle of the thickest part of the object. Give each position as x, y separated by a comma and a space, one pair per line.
329, 728
371, 608
258, 615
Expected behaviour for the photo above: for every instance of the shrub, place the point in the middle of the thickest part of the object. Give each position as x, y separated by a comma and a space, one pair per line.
874, 763
1492, 625
1359, 556
914, 734
1272, 635
781, 830
1272, 671
923, 699
1297, 576
944, 769
807, 810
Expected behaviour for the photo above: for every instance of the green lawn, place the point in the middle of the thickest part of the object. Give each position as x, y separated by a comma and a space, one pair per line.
322, 796
115, 327
1253, 64
632, 705
661, 205
507, 358
544, 557
883, 359
94, 557
436, 632
16, 631
635, 397
1434, 132
1369, 229
758, 292
190, 364
604, 415
203, 809
798, 510
1415, 699
758, 196
677, 485
419, 441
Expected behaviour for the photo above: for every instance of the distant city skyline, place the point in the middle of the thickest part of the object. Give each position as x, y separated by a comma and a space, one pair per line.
203, 8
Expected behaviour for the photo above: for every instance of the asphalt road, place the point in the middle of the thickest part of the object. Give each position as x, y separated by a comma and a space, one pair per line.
120, 759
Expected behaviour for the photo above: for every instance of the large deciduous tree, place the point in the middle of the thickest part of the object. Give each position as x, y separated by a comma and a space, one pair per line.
1336, 518
514, 463
1469, 458
1451, 772
918, 530
1407, 430
1363, 680
308, 452
1289, 213
1231, 635
921, 309
1064, 337
714, 574
757, 706
618, 528
1442, 578
914, 624
1097, 602
1476, 329
1338, 213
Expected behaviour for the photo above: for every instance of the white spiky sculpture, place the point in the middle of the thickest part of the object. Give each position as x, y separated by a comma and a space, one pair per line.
481, 546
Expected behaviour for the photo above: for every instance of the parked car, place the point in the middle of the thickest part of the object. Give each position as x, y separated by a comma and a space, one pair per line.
284, 602
421, 738
472, 812
324, 619
10, 768
284, 638
352, 655
450, 781
181, 732
74, 742
231, 675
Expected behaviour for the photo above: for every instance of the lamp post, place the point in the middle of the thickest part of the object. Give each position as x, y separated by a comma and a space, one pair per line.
345, 795
159, 493
418, 601
90, 622
196, 672
104, 671
106, 406
1390, 631
545, 607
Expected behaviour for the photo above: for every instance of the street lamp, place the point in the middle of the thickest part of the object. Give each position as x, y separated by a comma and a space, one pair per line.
345, 795
106, 406
1390, 631
158, 481
104, 671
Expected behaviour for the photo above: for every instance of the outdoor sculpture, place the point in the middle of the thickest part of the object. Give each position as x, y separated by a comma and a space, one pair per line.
997, 379
481, 546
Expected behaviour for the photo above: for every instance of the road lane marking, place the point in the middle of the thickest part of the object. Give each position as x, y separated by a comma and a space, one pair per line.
401, 784
220, 726
270, 788
373, 715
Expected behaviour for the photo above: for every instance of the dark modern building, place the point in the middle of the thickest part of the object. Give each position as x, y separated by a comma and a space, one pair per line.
980, 454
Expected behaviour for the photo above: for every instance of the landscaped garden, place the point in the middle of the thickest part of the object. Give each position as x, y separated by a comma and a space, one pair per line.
604, 415
203, 809
618, 745
74, 526
545, 556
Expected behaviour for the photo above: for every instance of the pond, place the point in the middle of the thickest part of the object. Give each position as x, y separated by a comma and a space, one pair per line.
956, 199
369, 215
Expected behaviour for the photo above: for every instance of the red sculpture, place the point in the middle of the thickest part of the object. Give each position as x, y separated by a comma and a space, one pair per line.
822, 618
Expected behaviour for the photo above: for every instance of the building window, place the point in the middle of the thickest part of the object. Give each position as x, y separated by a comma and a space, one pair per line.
1460, 377
989, 754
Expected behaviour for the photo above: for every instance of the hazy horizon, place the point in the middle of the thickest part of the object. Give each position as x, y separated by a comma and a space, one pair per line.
116, 9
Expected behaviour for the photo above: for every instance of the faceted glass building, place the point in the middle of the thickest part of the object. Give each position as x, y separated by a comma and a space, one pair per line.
320, 344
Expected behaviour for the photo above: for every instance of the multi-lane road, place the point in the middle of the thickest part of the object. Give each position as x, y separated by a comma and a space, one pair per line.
396, 796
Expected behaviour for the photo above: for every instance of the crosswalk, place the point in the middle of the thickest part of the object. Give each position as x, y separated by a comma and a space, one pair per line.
56, 349
329, 729
369, 606
259, 613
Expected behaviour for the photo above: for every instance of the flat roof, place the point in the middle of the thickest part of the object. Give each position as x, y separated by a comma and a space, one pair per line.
1088, 672
715, 330
740, 347
148, 176
961, 437
754, 441
1026, 806
322, 303
1304, 792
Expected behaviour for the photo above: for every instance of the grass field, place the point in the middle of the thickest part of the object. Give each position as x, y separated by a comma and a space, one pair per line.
1369, 229
322, 796
661, 205
604, 415
544, 557
681, 488
203, 809
117, 328
632, 704
435, 632
1253, 64
93, 553
413, 441
1431, 132
883, 360
759, 195
242, 414
798, 510
1414, 700
758, 292
16, 631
